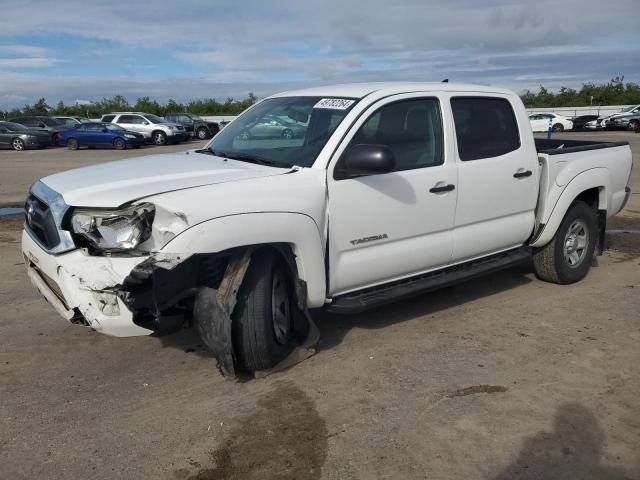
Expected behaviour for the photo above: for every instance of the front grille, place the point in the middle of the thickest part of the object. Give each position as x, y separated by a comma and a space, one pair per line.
39, 218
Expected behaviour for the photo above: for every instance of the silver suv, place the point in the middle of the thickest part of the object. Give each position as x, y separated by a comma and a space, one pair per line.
154, 128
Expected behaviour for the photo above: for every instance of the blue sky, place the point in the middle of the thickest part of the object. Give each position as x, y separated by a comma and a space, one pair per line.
86, 50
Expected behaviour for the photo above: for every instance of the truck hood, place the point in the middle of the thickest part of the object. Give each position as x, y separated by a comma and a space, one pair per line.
113, 184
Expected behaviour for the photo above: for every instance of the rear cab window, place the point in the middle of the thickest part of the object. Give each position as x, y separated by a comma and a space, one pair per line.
486, 127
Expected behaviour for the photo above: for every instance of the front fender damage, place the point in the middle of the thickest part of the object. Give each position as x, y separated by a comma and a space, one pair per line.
163, 292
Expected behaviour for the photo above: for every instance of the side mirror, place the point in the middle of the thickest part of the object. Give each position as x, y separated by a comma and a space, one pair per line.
105, 130
366, 159
42, 125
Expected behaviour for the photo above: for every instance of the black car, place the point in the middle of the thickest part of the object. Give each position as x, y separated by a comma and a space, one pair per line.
20, 137
46, 124
195, 125
580, 121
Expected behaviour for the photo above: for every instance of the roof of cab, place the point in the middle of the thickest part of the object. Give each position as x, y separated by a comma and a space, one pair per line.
361, 90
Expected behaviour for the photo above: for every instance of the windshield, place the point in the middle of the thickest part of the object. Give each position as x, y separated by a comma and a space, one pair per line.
155, 119
195, 117
282, 131
112, 127
14, 127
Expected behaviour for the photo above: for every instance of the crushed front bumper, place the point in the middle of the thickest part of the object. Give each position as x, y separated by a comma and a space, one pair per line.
83, 287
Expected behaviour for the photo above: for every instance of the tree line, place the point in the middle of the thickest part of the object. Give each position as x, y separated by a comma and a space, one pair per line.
119, 103
614, 92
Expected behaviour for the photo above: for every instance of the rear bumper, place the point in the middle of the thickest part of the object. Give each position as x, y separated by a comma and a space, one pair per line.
82, 287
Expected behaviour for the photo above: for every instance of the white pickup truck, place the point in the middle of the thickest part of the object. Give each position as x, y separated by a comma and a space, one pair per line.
388, 190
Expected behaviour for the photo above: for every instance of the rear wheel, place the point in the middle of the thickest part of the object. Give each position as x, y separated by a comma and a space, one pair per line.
17, 144
567, 258
72, 144
159, 138
558, 127
263, 321
119, 144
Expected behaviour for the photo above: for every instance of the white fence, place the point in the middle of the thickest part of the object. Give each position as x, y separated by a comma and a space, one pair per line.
577, 111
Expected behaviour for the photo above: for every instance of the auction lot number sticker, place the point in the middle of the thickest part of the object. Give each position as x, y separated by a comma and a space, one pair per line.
334, 103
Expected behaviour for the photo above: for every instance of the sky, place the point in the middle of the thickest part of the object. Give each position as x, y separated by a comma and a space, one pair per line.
86, 50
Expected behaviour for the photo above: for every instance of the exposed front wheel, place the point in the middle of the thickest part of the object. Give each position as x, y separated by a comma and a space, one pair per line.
72, 144
17, 144
159, 138
263, 318
567, 258
558, 127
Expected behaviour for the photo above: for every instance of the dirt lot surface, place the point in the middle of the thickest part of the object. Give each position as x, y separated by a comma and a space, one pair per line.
503, 377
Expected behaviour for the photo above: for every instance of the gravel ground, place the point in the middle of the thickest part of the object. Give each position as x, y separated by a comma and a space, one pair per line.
502, 377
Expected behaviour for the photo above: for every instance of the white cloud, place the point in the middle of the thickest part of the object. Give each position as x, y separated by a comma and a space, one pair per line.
31, 62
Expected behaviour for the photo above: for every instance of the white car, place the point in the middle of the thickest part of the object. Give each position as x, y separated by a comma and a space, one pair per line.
391, 190
154, 128
540, 122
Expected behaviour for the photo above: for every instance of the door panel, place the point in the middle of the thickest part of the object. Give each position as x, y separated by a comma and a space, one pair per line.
495, 210
389, 226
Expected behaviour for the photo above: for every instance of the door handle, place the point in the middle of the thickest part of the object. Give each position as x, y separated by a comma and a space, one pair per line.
522, 173
443, 188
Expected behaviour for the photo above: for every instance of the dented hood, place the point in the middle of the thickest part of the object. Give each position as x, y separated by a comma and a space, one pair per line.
116, 183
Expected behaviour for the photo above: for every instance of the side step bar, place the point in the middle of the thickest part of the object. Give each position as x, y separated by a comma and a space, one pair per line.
371, 297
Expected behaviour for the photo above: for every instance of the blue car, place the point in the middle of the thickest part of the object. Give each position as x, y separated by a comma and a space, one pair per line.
100, 134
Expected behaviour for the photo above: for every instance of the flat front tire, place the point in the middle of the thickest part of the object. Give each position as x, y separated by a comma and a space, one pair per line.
568, 256
263, 318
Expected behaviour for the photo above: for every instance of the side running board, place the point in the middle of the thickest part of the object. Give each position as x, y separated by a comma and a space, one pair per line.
371, 297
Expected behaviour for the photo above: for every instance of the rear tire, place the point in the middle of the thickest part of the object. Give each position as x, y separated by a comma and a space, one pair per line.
568, 256
119, 144
72, 144
262, 327
558, 127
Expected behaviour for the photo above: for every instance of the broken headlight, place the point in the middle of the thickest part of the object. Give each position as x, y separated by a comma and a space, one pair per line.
123, 229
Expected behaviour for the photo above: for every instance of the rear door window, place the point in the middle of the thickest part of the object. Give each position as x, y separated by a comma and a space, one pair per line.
131, 119
485, 127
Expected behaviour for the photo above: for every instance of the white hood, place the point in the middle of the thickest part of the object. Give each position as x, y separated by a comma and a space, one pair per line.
116, 183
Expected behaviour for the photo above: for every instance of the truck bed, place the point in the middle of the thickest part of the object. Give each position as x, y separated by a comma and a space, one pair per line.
556, 147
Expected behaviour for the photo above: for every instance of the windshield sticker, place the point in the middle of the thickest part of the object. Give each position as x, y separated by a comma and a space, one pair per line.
334, 103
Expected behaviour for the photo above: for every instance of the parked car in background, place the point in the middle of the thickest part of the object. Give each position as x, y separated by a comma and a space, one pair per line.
196, 126
580, 122
627, 119
611, 121
155, 129
274, 126
100, 134
540, 122
72, 121
46, 124
19, 137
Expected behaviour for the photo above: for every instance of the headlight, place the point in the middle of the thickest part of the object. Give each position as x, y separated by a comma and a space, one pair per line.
129, 136
114, 229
